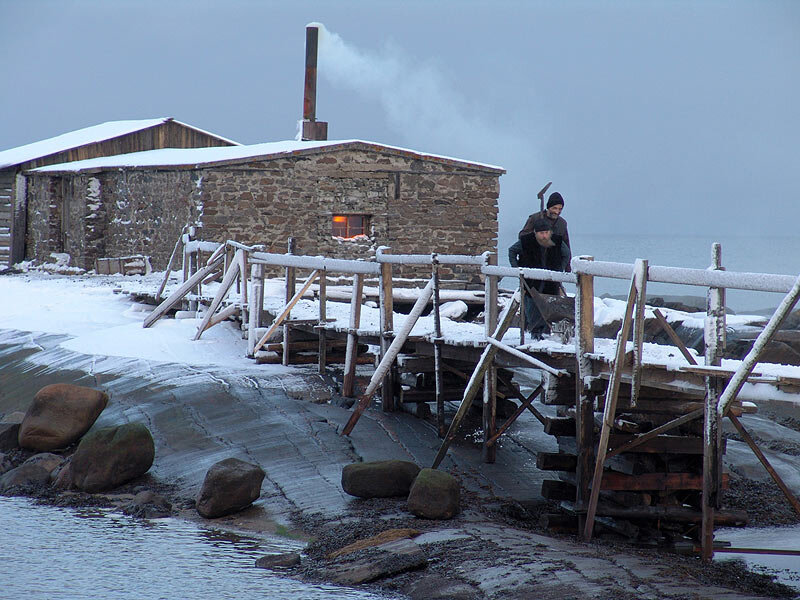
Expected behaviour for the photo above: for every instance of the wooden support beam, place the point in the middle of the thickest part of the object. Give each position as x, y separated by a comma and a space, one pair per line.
653, 433
285, 313
348, 385
609, 412
168, 271
291, 283
386, 302
489, 412
674, 337
765, 462
222, 315
323, 318
714, 333
437, 350
584, 396
228, 280
391, 354
477, 375
180, 293
526, 403
255, 313
526, 357
638, 332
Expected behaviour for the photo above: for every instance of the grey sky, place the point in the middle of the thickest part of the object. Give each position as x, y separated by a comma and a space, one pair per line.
649, 117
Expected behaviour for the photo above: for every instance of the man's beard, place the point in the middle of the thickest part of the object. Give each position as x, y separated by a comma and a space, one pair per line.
546, 243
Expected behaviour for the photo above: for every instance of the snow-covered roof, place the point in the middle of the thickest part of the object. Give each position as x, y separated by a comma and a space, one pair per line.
82, 137
180, 157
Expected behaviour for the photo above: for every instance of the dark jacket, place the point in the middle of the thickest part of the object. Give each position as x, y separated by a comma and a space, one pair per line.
527, 252
559, 226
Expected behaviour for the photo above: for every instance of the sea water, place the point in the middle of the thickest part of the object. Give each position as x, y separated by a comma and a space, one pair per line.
779, 255
50, 552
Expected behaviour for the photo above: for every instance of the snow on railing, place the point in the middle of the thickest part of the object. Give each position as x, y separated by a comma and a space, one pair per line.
337, 265
759, 282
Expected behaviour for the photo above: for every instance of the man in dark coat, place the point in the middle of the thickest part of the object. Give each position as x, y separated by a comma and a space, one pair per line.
539, 249
555, 204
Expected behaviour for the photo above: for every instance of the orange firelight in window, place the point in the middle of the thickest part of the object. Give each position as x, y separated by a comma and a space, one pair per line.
349, 226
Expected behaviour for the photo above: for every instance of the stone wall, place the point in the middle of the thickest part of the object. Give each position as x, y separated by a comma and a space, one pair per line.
413, 206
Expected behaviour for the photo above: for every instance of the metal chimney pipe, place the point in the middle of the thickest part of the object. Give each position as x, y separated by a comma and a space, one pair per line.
312, 129
310, 94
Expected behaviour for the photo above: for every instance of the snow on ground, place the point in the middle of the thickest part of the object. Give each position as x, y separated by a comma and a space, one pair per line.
104, 323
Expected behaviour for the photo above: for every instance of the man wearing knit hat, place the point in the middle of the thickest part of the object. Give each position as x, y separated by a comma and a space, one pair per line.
555, 204
539, 249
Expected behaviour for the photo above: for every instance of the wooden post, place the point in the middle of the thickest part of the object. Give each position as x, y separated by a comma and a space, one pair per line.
348, 385
489, 415
323, 318
638, 336
386, 299
712, 432
291, 283
584, 398
437, 348
610, 408
522, 322
256, 306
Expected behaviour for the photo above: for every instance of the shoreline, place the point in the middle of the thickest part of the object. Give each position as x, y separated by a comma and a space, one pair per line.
494, 548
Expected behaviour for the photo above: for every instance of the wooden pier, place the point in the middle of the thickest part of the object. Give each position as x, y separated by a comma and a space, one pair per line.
638, 425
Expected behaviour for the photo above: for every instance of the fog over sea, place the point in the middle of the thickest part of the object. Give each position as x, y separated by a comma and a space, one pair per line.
739, 253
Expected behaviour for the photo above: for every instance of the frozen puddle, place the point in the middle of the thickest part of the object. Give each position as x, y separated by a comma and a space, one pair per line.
785, 568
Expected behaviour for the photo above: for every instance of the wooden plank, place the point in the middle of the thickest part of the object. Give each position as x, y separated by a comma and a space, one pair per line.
286, 311
390, 356
584, 394
674, 337
227, 282
222, 315
559, 426
648, 439
731, 518
179, 293
526, 357
609, 412
556, 461
348, 385
653, 481
557, 490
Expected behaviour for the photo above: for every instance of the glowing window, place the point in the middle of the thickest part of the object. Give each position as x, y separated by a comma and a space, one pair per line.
349, 226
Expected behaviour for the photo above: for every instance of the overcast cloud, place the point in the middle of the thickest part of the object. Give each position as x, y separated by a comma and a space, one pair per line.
649, 117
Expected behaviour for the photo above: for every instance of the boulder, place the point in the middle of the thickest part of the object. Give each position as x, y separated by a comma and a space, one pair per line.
59, 415
47, 460
5, 463
434, 495
9, 431
379, 479
149, 505
25, 476
111, 456
62, 476
230, 486
377, 562
278, 561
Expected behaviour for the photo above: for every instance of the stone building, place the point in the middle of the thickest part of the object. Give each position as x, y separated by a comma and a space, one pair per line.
340, 199
113, 137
